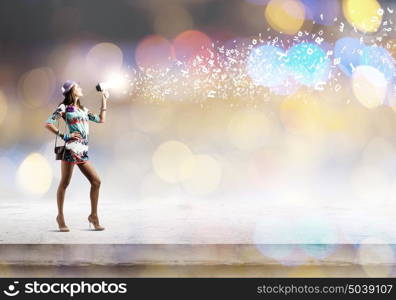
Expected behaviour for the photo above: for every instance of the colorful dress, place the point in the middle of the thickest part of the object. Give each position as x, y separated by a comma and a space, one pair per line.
76, 148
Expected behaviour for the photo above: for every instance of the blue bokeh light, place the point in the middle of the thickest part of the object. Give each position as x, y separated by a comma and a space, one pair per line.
266, 65
308, 63
347, 52
380, 59
322, 12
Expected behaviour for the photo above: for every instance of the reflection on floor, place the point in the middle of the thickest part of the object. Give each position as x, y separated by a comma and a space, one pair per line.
200, 260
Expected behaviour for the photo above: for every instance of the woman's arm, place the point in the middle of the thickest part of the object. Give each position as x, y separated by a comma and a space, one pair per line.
51, 128
101, 117
49, 124
103, 108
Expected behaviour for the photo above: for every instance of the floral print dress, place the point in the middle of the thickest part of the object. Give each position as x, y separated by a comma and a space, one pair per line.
77, 120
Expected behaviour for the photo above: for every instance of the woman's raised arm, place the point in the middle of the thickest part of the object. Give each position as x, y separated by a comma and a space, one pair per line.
101, 118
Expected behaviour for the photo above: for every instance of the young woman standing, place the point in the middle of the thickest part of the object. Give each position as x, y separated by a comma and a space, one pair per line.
77, 118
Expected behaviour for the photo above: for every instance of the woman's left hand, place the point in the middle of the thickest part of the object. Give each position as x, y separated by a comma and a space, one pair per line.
76, 135
106, 94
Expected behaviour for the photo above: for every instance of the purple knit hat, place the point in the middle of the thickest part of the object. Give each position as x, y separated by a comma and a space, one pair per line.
67, 86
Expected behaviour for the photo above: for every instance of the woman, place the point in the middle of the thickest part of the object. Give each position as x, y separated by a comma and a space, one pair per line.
77, 118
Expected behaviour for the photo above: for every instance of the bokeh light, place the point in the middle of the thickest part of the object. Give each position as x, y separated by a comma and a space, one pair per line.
274, 231
309, 63
69, 62
3, 106
203, 174
236, 116
117, 82
286, 16
191, 43
280, 253
36, 86
316, 229
319, 251
168, 160
154, 51
379, 58
365, 15
369, 86
288, 87
104, 58
322, 12
376, 257
266, 65
302, 113
284, 242
34, 175
265, 169
347, 54
172, 19
248, 130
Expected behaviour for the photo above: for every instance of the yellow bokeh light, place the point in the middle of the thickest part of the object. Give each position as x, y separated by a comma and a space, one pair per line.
202, 174
369, 86
365, 15
302, 113
36, 86
248, 130
285, 16
35, 175
172, 19
3, 107
168, 159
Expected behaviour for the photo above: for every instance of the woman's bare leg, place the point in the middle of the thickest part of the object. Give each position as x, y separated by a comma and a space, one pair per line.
66, 174
88, 170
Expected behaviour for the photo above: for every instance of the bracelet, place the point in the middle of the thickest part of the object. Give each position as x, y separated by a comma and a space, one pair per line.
103, 109
65, 137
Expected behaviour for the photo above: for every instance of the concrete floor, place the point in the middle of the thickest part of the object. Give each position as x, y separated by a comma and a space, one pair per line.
171, 221
195, 239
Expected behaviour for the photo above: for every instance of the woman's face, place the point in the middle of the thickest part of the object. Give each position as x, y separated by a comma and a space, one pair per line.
78, 91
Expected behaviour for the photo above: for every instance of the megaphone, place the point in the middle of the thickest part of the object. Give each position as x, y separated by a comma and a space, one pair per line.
102, 86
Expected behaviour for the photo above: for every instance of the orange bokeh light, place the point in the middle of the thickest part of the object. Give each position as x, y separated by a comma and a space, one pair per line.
154, 50
192, 43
